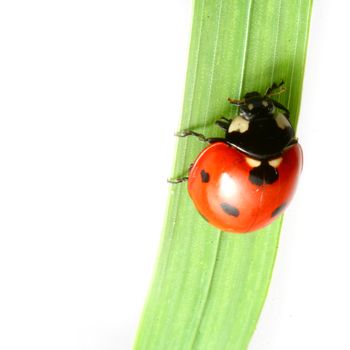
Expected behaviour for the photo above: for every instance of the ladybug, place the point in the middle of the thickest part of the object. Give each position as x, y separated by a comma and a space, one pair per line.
244, 181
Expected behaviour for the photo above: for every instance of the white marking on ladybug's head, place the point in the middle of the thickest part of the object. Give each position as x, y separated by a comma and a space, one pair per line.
250, 106
238, 124
282, 121
252, 162
275, 162
264, 103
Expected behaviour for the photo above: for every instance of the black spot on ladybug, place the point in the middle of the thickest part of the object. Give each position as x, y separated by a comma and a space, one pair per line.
204, 176
264, 173
279, 210
229, 209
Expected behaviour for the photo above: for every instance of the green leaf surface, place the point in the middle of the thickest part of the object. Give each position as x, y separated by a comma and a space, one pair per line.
209, 286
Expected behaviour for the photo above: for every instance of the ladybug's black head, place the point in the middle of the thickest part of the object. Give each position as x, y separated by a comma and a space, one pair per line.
256, 106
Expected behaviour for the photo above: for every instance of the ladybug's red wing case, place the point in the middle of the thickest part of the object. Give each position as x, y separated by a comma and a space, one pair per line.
244, 181
223, 188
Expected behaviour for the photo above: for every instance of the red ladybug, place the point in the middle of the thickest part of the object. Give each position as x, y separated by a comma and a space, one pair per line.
244, 181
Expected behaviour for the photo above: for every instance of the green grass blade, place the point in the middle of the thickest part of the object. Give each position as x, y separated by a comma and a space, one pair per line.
209, 286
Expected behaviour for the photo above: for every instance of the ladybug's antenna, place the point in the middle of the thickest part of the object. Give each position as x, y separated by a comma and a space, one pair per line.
276, 89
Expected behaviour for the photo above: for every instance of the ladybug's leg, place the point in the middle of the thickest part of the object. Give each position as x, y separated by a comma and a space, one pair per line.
200, 137
275, 89
178, 180
223, 123
235, 101
280, 106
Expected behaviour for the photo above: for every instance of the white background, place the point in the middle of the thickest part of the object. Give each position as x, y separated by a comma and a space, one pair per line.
85, 149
